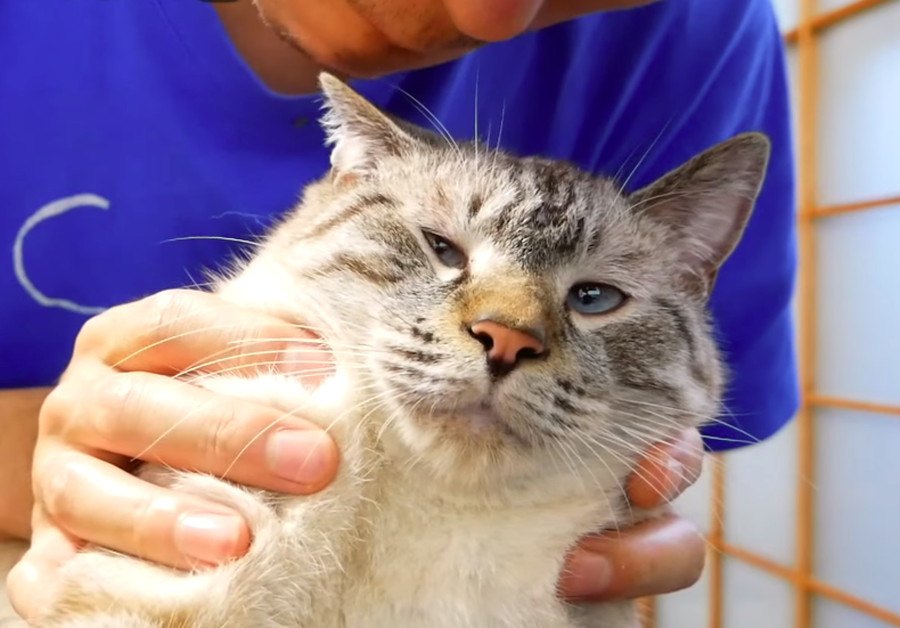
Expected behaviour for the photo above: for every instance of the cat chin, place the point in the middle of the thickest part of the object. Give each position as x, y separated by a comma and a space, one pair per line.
470, 447
474, 422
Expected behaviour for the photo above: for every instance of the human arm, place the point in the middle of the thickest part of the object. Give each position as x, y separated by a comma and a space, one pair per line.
19, 411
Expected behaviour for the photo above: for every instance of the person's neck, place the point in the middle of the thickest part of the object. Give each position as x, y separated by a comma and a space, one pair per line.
282, 67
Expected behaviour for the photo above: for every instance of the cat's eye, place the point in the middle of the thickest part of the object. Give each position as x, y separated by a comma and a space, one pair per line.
448, 253
594, 298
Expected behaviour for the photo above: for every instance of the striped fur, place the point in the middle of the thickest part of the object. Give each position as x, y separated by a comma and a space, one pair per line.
459, 491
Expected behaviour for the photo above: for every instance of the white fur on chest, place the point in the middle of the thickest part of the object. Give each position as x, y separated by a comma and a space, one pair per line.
441, 560
415, 551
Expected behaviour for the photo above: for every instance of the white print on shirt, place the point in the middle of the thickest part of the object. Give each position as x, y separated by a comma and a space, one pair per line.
50, 210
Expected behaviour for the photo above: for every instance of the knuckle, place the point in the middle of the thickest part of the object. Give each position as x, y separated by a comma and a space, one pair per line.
56, 411
165, 307
142, 526
57, 474
220, 435
91, 407
92, 336
109, 401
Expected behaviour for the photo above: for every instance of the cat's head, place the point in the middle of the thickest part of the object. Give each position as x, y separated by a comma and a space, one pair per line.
513, 315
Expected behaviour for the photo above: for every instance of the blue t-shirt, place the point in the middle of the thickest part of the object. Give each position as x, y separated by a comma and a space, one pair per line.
126, 127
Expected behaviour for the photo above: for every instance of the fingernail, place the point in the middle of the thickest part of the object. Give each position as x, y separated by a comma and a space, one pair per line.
588, 575
209, 537
302, 456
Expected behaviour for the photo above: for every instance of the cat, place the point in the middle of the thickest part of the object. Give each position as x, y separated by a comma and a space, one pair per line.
508, 334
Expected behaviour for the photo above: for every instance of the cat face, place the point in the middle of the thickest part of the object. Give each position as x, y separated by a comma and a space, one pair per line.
513, 313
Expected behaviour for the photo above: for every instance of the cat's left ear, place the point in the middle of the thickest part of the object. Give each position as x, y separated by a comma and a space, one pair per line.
360, 133
707, 202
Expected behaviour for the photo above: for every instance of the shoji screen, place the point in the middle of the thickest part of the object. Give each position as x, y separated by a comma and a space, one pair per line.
804, 529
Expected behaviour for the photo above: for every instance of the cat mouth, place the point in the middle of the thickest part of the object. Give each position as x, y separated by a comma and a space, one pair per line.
480, 416
475, 418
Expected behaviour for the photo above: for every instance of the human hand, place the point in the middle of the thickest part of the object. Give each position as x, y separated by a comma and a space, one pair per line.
118, 401
372, 37
658, 556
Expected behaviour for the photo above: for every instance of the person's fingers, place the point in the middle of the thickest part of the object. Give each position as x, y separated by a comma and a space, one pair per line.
100, 503
339, 37
31, 582
666, 470
177, 331
493, 21
155, 418
651, 558
556, 11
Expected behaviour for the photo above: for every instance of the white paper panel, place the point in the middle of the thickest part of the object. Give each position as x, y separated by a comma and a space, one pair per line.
788, 13
793, 73
828, 614
761, 496
859, 100
686, 608
858, 338
824, 6
754, 598
857, 504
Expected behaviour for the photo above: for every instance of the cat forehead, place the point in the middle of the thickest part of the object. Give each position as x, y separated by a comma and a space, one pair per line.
542, 212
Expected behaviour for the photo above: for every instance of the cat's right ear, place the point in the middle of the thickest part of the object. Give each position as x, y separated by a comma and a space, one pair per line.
359, 132
706, 203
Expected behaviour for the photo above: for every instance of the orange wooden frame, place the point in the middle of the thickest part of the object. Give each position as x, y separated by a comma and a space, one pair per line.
801, 574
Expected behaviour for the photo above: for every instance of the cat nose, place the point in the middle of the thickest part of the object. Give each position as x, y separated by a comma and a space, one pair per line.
506, 346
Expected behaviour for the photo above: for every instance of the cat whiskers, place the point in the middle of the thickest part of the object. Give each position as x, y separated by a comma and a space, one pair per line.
317, 346
271, 424
666, 195
665, 435
142, 455
216, 238
641, 161
475, 140
178, 336
225, 355
432, 118
202, 373
571, 455
588, 442
196, 331
647, 453
680, 411
500, 132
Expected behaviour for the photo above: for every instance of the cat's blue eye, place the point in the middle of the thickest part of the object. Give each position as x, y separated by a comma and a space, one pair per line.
448, 253
594, 298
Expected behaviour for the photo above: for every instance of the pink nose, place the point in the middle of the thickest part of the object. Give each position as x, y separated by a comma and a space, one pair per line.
505, 346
